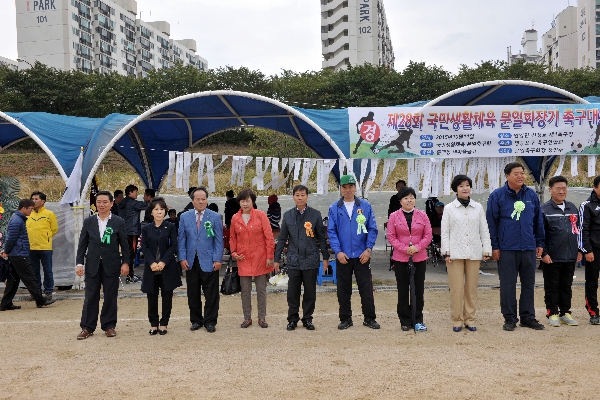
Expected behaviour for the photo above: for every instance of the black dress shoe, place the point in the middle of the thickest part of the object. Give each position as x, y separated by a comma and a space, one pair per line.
45, 303
371, 323
10, 307
210, 328
162, 332
195, 326
291, 326
308, 325
153, 332
345, 324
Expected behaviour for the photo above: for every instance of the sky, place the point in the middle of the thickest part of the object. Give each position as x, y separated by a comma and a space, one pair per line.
272, 35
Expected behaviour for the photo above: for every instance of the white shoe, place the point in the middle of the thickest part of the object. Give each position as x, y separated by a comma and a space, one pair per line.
568, 320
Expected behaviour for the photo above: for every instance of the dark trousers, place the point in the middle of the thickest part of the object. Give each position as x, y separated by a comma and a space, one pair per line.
196, 279
403, 282
298, 278
21, 272
364, 281
591, 284
558, 278
133, 241
167, 303
91, 303
43, 258
511, 265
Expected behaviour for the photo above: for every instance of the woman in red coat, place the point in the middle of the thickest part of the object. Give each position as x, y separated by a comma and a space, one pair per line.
252, 245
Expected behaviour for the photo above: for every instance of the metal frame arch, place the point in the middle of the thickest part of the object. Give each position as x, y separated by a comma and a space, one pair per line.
32, 135
496, 84
149, 113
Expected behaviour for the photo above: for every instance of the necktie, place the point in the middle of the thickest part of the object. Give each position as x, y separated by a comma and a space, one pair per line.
198, 220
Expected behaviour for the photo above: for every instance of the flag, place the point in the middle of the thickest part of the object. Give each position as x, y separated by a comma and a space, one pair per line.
71, 194
93, 193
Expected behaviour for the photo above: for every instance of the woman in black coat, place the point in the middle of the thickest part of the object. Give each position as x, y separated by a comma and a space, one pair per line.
159, 244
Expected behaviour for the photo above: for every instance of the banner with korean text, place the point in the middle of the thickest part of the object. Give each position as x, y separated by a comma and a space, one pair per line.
478, 131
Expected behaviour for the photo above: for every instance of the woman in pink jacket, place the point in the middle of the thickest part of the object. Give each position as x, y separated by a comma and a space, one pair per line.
252, 245
409, 233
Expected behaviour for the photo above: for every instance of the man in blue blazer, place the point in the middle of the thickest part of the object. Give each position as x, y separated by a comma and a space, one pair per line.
200, 254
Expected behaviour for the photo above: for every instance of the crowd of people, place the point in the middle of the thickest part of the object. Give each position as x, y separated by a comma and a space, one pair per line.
515, 230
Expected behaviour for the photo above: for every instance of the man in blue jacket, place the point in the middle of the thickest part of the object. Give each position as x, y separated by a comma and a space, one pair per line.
16, 248
560, 252
517, 233
200, 245
352, 233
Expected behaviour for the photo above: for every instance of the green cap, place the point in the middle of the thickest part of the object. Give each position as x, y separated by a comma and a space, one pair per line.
347, 179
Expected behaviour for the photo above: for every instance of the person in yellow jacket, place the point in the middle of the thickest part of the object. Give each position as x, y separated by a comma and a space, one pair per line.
41, 227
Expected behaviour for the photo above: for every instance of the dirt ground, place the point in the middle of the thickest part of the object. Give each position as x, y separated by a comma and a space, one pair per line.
41, 357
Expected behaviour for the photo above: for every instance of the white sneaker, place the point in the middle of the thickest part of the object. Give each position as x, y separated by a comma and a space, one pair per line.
568, 319
553, 320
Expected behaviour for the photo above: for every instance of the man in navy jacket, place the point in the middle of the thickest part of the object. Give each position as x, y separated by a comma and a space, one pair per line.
16, 247
517, 233
589, 244
560, 252
352, 233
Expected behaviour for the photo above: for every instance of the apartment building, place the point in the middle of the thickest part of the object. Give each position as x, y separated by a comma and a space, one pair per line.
588, 33
7, 62
560, 43
355, 32
97, 35
530, 53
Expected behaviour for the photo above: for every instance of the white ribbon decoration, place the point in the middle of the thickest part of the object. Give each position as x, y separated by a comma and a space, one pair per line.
171, 169
574, 166
259, 179
388, 166
591, 165
561, 165
179, 171
201, 160
372, 173
308, 166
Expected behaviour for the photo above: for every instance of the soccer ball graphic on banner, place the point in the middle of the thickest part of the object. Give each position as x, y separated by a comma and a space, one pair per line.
577, 146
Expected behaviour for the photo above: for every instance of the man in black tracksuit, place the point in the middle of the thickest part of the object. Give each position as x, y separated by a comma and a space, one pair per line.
560, 252
302, 228
589, 244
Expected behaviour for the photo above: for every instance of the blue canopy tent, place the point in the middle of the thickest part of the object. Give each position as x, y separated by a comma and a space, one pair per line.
181, 122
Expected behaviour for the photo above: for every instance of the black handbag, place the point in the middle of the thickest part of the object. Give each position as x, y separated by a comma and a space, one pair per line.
231, 281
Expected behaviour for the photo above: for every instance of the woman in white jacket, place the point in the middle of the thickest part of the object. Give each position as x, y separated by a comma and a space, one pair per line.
465, 242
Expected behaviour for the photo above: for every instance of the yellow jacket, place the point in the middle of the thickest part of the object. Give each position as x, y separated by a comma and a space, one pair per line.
41, 226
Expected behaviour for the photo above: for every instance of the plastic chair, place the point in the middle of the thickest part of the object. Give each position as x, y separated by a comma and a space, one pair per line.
327, 278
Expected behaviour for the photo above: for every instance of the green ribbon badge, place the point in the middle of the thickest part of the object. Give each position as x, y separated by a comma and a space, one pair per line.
209, 229
361, 219
519, 207
107, 232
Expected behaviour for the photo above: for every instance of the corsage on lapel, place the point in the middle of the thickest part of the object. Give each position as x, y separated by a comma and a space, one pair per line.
309, 231
209, 230
360, 220
107, 232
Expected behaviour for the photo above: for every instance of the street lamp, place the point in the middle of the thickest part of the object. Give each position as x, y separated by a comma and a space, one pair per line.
21, 60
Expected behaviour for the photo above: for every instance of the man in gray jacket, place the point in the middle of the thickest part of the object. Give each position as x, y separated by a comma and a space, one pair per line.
129, 210
303, 231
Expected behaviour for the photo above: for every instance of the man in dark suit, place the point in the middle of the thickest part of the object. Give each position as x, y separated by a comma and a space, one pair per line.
99, 242
200, 254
